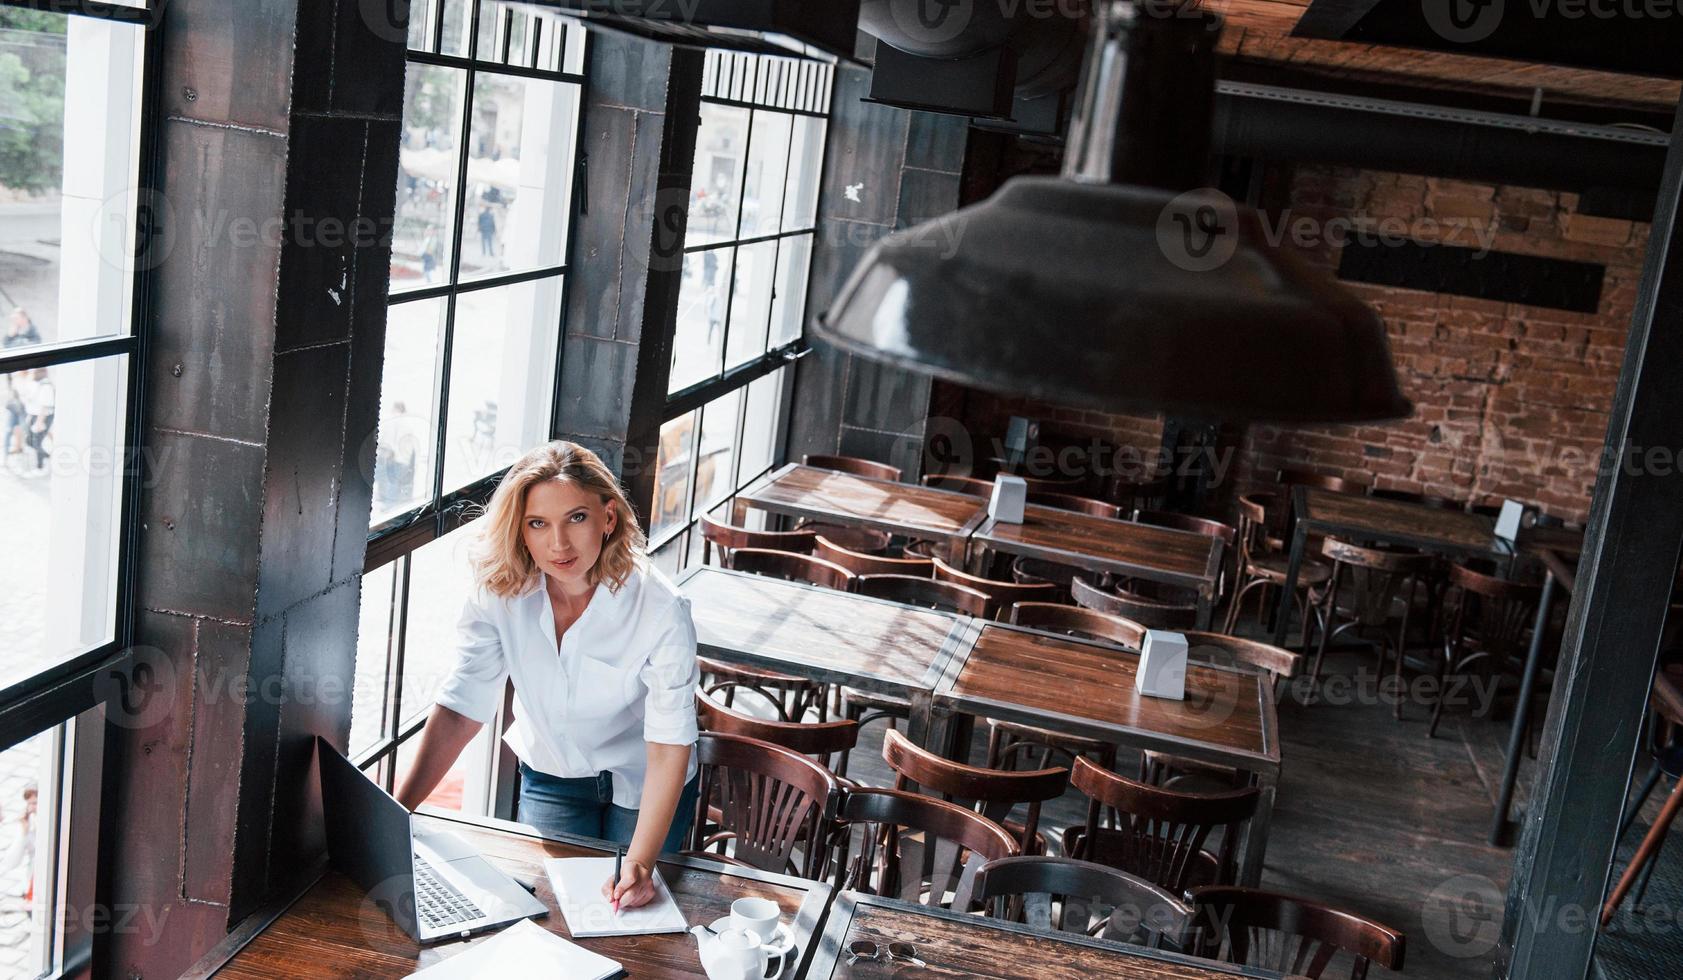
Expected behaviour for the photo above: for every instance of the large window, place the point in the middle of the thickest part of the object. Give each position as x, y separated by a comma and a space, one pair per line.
73, 203
485, 182
753, 208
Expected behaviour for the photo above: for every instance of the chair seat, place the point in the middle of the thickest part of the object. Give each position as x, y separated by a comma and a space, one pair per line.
1272, 568
1219, 776
861, 539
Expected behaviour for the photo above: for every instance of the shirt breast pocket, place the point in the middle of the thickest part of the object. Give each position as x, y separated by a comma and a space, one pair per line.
602, 690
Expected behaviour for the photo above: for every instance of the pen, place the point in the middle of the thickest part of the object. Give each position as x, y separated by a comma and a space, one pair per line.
618, 853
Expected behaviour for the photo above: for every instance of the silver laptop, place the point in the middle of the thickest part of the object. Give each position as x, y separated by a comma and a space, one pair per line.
432, 883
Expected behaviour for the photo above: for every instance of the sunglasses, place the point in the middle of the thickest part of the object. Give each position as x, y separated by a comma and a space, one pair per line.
864, 949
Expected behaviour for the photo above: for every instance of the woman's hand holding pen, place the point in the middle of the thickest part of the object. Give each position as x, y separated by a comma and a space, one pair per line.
634, 888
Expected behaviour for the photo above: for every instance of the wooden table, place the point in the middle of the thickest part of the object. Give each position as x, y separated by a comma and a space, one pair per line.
829, 636
1086, 688
797, 490
955, 945
1319, 512
1101, 544
334, 931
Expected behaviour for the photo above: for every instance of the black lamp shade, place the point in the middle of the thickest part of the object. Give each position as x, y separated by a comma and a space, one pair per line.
1119, 298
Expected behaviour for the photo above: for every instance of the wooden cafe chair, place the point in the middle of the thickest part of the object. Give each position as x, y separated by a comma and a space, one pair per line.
827, 743
1091, 506
1293, 936
1488, 629
1058, 894
991, 792
1000, 594
793, 568
1665, 704
854, 465
1160, 833
728, 538
764, 801
1261, 570
1226, 533
860, 563
917, 848
968, 485
1149, 612
1370, 589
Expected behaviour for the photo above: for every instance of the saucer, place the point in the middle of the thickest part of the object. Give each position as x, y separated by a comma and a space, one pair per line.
784, 942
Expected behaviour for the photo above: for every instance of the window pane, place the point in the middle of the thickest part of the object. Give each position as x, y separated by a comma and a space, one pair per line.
788, 307
672, 474
669, 558
458, 14
376, 628
69, 141
760, 426
422, 15
454, 788
31, 805
717, 180
806, 165
768, 157
60, 494
440, 581
426, 176
404, 461
502, 371
750, 302
698, 341
716, 459
520, 165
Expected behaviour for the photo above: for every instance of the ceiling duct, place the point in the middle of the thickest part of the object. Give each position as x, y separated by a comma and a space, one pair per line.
972, 57
1115, 287
780, 27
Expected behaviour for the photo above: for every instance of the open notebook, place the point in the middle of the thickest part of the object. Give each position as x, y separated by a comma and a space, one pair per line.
578, 890
523, 949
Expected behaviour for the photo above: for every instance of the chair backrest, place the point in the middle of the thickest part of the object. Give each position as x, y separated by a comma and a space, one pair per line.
1494, 612
1000, 594
786, 694
993, 793
862, 564
1258, 518
1034, 571
827, 742
1162, 831
1221, 648
1055, 617
1071, 502
925, 592
917, 848
960, 484
728, 538
1089, 898
792, 567
1148, 612
1304, 478
1291, 935
1369, 580
1207, 526
853, 465
1132, 492
769, 800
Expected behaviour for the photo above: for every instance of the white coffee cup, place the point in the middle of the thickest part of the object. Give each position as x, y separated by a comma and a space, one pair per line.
756, 915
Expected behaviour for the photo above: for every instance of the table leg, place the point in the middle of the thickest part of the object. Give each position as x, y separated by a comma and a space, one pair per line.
922, 722
1256, 832
1282, 616
1206, 609
1522, 712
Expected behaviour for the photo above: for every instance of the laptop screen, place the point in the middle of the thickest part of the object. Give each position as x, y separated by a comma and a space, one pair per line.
368, 836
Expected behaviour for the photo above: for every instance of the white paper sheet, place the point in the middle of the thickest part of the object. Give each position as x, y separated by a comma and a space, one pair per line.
523, 949
578, 890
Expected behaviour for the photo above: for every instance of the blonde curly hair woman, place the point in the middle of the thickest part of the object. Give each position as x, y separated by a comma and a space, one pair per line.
601, 650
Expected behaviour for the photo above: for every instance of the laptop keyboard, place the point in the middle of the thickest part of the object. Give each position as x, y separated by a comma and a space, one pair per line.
438, 902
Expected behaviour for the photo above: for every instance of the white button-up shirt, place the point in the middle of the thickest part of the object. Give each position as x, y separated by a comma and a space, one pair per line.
624, 674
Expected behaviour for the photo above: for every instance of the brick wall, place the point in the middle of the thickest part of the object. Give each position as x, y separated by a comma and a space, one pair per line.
1511, 400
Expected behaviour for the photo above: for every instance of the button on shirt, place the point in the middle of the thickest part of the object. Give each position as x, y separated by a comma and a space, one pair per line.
624, 674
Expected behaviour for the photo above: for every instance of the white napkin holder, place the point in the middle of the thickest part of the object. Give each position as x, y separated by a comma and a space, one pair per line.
1010, 493
1162, 670
1509, 520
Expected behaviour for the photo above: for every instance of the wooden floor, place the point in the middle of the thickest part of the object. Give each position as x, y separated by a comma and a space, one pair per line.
1371, 816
